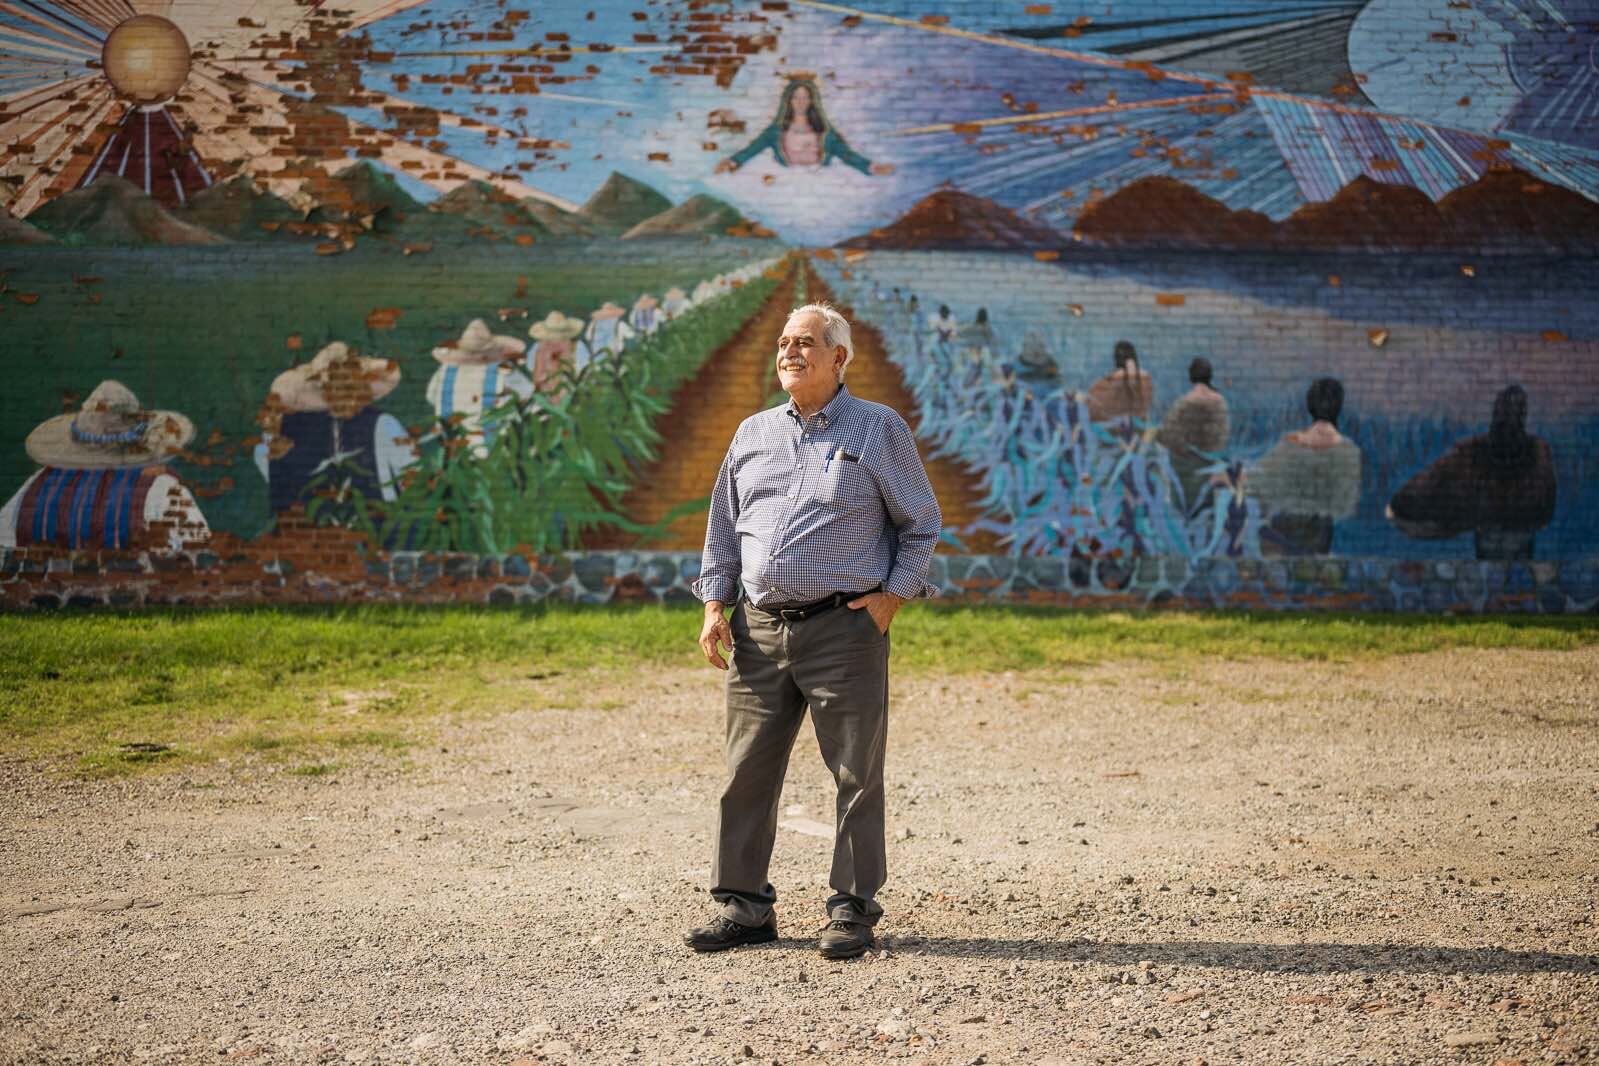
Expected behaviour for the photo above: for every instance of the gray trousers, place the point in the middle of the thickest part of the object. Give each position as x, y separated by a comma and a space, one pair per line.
836, 663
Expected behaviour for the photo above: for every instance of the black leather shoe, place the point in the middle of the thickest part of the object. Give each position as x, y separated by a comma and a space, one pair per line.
724, 933
845, 940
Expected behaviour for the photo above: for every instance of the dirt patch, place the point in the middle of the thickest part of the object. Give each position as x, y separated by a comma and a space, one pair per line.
1378, 862
698, 426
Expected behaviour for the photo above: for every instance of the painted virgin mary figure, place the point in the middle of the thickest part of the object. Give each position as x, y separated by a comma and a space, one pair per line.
801, 136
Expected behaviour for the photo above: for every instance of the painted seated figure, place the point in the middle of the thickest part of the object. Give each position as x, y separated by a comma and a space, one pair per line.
321, 413
1194, 430
101, 482
1498, 486
1126, 392
1309, 480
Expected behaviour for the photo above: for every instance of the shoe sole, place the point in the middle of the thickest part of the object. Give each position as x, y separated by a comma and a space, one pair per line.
759, 938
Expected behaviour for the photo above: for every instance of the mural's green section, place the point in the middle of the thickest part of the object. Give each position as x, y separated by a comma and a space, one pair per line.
205, 332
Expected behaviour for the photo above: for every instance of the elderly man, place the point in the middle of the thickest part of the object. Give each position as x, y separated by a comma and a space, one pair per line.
823, 512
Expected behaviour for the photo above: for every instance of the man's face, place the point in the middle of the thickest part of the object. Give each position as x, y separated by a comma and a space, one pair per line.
804, 361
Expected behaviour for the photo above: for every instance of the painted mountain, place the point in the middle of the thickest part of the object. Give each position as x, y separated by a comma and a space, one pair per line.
1161, 211
954, 220
239, 210
1511, 209
482, 204
698, 216
16, 231
1367, 214
620, 204
115, 211
1504, 210
560, 223
362, 192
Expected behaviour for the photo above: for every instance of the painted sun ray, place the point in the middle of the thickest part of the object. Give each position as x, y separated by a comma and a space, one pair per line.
1075, 112
20, 102
225, 152
50, 144
10, 33
51, 147
91, 12
99, 137
12, 60
25, 127
15, 43
56, 26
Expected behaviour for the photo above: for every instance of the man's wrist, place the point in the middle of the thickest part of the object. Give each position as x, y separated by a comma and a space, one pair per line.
714, 607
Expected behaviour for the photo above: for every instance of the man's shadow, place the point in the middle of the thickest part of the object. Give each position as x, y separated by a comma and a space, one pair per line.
1269, 958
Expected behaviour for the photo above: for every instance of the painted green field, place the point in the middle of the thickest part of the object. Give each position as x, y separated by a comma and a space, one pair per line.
291, 685
204, 331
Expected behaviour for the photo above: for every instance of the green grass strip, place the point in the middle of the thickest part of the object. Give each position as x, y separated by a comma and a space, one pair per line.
283, 683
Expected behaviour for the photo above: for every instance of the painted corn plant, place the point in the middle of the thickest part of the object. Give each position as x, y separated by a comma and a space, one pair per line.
1056, 483
557, 462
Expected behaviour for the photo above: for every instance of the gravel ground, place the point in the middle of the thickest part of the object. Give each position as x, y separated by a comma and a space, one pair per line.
1391, 861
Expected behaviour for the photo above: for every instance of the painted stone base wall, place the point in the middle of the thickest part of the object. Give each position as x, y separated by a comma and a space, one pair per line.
327, 566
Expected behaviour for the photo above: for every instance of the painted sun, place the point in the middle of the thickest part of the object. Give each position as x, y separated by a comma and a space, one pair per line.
175, 95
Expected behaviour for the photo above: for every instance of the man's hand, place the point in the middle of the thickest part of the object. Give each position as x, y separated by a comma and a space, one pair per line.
882, 606
715, 630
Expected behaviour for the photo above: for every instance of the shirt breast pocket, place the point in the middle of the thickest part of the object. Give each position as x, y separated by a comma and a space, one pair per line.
847, 486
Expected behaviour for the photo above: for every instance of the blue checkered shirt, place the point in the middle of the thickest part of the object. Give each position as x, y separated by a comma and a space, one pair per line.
802, 510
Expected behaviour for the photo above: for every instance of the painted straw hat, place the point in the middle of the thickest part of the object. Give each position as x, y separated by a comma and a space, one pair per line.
111, 430
304, 388
645, 302
609, 310
556, 327
477, 346
675, 293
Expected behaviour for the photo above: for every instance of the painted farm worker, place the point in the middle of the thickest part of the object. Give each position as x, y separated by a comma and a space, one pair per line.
560, 347
1195, 430
608, 330
943, 324
708, 290
476, 374
1499, 486
646, 316
324, 409
822, 512
976, 338
1127, 391
101, 483
675, 301
1034, 363
800, 136
1309, 480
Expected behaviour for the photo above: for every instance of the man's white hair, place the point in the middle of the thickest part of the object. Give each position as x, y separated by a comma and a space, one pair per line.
834, 333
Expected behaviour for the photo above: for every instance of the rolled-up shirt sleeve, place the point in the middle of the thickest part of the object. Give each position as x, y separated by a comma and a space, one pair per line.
913, 510
719, 564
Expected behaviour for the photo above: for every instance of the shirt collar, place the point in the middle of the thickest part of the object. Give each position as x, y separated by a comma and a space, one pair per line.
830, 412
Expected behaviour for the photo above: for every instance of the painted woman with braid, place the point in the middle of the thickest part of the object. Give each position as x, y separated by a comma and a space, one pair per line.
801, 136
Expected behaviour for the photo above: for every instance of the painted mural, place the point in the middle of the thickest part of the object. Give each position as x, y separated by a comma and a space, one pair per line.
1189, 280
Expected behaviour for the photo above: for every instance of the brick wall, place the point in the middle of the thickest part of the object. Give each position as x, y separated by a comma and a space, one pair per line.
275, 234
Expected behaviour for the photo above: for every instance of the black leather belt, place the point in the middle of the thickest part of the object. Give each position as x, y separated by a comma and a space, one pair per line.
800, 612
